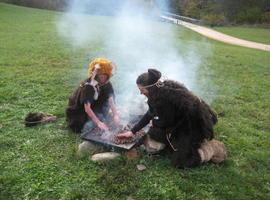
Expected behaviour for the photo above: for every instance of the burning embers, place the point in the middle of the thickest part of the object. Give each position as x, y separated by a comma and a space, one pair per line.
135, 138
109, 138
111, 135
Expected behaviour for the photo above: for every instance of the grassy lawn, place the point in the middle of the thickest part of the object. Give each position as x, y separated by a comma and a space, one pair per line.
38, 71
261, 35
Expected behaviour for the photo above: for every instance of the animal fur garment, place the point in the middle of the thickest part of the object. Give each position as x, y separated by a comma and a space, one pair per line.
76, 116
213, 150
182, 118
220, 151
34, 118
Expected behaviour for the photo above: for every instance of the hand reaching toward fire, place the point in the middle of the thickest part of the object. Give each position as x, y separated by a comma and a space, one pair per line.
102, 126
125, 135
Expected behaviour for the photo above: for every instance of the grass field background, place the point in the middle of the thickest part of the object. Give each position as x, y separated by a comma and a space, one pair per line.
39, 70
261, 35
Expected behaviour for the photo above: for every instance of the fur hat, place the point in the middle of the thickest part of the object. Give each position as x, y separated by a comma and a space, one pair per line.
149, 78
102, 66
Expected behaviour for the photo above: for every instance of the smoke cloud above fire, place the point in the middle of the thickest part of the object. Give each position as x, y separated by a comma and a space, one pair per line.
133, 38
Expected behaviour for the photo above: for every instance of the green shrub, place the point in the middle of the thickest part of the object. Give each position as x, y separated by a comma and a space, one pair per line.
266, 17
214, 19
249, 15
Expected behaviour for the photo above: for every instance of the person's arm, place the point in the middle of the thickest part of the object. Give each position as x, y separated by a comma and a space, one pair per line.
114, 110
95, 119
142, 123
86, 98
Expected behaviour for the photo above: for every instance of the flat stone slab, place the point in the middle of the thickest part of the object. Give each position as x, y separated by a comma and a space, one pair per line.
106, 156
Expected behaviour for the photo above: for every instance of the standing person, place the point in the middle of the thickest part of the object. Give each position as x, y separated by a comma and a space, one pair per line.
182, 123
89, 105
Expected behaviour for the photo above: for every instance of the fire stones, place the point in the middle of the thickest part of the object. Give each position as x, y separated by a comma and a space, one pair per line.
141, 167
86, 148
106, 156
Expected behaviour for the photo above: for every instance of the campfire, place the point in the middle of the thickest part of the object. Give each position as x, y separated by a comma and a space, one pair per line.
109, 138
111, 135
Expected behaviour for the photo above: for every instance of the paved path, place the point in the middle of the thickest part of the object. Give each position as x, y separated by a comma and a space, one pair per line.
219, 36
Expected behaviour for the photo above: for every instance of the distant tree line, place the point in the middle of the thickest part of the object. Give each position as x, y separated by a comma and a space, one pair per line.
43, 4
213, 12
219, 12
104, 7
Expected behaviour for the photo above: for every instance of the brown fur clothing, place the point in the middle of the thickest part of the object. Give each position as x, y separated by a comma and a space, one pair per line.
35, 118
76, 116
213, 150
188, 119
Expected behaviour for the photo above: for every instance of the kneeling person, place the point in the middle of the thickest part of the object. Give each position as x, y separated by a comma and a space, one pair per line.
181, 122
89, 105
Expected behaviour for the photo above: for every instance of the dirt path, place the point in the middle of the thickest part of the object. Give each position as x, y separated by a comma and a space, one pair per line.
210, 33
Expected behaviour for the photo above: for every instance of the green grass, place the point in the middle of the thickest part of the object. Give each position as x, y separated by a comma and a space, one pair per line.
38, 71
261, 35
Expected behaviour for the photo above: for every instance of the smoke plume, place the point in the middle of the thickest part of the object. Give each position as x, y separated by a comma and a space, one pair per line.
131, 35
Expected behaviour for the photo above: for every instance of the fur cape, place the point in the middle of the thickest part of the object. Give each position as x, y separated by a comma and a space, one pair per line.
187, 118
35, 118
76, 116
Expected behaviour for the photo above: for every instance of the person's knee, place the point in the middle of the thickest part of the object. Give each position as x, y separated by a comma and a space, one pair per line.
153, 146
157, 134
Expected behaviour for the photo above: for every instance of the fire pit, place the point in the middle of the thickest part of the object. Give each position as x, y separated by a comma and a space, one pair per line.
109, 138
